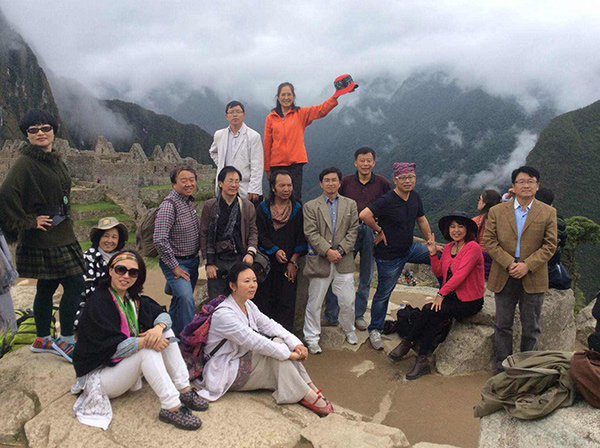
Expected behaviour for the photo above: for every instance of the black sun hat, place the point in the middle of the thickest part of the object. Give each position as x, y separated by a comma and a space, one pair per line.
460, 217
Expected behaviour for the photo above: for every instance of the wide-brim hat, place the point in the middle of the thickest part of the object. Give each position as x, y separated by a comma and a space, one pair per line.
107, 223
444, 223
344, 84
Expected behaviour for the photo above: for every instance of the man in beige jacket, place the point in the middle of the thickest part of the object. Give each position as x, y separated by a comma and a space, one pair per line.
521, 237
331, 228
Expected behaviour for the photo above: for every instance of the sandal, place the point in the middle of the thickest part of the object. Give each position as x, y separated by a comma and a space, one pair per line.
321, 411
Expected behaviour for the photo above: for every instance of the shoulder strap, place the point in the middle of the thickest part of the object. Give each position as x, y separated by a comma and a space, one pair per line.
216, 349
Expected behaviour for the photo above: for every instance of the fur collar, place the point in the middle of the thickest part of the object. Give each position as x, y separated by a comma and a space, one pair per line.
51, 158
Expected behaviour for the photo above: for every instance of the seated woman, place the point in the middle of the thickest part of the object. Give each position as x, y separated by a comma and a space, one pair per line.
122, 336
461, 294
487, 200
249, 359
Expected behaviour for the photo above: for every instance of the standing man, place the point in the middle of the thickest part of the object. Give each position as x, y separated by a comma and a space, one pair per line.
396, 213
240, 147
364, 187
330, 227
228, 232
177, 243
521, 237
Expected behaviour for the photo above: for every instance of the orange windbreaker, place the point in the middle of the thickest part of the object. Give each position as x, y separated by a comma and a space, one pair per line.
284, 137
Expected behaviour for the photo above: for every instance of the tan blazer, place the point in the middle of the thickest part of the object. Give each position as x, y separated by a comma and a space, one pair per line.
538, 244
318, 232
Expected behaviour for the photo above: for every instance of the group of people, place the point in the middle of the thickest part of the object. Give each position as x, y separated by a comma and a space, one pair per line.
123, 334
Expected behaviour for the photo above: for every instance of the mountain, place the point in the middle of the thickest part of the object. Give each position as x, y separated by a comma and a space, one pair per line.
567, 154
23, 83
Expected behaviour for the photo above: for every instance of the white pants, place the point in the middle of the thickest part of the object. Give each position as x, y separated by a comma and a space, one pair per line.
342, 286
165, 372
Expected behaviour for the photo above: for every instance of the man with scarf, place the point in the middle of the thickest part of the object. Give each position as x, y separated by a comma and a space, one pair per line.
393, 217
228, 232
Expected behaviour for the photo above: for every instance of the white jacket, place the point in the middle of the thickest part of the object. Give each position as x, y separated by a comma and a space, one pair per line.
242, 334
248, 158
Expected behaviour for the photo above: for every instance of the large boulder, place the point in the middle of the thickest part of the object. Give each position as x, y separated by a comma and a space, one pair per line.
469, 346
585, 323
335, 431
573, 427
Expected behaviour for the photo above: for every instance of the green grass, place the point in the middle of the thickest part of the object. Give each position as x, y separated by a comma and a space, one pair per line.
169, 186
108, 206
122, 217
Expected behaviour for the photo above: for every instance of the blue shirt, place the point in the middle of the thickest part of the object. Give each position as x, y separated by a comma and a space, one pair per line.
521, 217
333, 207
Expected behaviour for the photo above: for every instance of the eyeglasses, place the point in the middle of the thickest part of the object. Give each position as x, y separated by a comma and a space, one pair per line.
526, 182
231, 181
235, 112
122, 270
36, 129
403, 178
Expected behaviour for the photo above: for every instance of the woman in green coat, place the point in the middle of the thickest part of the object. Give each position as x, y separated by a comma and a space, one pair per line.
35, 208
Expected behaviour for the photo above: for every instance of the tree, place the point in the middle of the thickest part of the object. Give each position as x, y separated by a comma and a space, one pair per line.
581, 231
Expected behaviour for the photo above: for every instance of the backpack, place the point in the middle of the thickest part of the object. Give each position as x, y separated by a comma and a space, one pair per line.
194, 337
26, 331
144, 235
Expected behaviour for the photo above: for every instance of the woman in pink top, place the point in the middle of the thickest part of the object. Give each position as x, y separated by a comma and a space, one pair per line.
461, 294
487, 200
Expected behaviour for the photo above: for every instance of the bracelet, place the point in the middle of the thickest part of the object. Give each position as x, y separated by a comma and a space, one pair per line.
293, 263
251, 253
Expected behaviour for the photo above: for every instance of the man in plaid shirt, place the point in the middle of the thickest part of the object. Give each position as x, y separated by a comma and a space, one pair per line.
176, 238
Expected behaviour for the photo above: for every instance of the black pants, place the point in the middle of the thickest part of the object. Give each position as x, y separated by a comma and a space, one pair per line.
427, 326
224, 262
42, 304
276, 297
295, 171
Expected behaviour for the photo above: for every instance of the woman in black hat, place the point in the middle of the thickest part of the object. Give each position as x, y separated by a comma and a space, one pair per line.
461, 294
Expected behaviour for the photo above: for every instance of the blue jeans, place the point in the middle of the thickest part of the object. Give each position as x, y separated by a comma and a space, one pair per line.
388, 272
182, 307
364, 244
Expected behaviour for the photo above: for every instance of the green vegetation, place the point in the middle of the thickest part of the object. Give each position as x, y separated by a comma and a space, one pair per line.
169, 186
582, 231
122, 217
105, 206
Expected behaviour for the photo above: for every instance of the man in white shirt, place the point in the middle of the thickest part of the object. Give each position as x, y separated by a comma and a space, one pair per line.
241, 147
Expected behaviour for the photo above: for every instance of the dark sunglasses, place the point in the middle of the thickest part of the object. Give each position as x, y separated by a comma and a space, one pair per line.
122, 270
35, 130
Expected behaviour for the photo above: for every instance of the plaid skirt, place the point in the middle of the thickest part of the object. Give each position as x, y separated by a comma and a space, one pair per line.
51, 263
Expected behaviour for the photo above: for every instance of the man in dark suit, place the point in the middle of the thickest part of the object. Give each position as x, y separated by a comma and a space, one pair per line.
330, 227
521, 237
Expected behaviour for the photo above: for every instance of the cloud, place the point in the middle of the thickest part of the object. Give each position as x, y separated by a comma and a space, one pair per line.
453, 135
537, 49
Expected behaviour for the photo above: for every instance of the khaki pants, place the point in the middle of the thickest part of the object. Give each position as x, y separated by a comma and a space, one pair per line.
287, 378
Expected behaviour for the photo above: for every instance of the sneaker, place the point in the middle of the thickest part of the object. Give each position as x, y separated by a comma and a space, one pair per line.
360, 324
181, 418
64, 349
375, 338
351, 338
326, 323
314, 348
193, 401
42, 345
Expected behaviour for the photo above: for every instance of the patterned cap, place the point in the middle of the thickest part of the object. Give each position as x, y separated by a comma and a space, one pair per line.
404, 168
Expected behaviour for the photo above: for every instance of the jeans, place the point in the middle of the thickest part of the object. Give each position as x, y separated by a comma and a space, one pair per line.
530, 307
182, 307
388, 272
364, 244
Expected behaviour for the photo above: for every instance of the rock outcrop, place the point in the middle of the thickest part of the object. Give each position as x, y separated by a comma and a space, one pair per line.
470, 347
585, 323
573, 427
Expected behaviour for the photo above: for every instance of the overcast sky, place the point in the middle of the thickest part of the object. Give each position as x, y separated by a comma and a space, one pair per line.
246, 48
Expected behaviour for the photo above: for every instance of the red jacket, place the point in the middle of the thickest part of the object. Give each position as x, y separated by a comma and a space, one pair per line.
467, 271
284, 137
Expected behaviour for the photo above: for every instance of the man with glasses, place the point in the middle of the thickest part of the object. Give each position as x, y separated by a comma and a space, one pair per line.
228, 231
239, 146
520, 236
393, 217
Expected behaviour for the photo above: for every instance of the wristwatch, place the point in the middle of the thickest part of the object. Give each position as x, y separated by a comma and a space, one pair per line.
341, 251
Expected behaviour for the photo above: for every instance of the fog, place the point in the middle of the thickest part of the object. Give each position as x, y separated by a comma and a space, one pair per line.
535, 50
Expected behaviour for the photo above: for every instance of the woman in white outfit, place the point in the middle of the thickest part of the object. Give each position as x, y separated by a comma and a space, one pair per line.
122, 336
249, 358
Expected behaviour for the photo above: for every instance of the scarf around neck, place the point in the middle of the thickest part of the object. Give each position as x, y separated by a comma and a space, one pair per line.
281, 217
214, 219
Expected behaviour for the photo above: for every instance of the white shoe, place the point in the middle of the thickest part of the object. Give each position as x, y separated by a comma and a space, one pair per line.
360, 324
375, 338
314, 348
351, 338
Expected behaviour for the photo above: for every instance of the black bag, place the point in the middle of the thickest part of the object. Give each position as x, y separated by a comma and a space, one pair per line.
405, 319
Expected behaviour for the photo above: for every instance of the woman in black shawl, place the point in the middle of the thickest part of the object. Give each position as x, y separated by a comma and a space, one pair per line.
123, 335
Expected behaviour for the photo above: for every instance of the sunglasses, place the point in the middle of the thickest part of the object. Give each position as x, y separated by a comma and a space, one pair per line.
35, 130
122, 270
